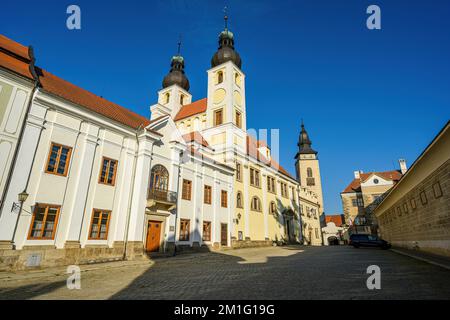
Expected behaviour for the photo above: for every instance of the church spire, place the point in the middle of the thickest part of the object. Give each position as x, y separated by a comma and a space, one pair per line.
176, 74
226, 51
304, 143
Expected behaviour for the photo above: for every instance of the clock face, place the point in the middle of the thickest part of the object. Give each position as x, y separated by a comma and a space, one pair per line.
218, 96
376, 181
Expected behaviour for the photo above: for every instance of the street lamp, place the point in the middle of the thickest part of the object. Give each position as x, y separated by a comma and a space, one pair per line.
22, 197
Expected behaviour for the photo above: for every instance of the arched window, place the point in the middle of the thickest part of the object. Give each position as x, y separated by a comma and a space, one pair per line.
237, 79
181, 99
256, 204
219, 77
239, 200
272, 208
309, 173
167, 97
159, 179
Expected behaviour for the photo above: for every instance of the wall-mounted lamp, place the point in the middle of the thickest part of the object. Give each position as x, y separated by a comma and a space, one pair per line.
22, 197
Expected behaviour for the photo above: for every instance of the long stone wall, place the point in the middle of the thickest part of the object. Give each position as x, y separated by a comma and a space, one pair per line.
421, 218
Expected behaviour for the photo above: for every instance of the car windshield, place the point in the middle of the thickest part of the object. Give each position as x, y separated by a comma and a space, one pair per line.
373, 238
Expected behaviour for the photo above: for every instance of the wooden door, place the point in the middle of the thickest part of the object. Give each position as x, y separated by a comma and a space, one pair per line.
153, 236
224, 234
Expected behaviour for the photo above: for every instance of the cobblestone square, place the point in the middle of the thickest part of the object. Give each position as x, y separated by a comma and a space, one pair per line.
290, 272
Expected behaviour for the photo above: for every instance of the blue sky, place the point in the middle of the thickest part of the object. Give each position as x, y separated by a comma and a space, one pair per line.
368, 97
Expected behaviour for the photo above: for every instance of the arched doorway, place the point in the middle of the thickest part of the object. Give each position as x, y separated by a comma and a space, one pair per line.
288, 217
333, 241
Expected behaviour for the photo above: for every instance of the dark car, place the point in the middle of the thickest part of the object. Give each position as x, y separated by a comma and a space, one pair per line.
367, 240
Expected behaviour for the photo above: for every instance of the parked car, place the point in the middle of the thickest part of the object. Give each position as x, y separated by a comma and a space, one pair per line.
367, 240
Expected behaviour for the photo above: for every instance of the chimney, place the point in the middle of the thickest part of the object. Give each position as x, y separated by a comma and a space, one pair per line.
357, 174
403, 167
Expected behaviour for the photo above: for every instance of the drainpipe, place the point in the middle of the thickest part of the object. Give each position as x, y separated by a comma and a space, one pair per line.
36, 85
178, 205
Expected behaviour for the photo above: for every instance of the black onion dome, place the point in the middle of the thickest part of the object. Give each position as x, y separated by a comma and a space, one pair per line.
226, 50
176, 74
304, 143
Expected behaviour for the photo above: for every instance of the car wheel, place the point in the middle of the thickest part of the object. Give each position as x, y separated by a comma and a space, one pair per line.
356, 246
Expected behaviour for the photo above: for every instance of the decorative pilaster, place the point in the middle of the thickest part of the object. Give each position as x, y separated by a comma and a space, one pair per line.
22, 168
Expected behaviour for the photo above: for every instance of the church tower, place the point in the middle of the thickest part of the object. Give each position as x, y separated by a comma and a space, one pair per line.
175, 91
307, 166
226, 115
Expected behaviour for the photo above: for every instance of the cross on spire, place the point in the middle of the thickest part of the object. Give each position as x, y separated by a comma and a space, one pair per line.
225, 18
179, 45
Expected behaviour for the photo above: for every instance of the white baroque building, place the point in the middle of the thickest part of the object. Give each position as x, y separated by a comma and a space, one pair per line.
83, 179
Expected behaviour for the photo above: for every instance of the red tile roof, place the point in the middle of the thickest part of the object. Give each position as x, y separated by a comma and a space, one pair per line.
14, 57
338, 219
252, 150
197, 137
191, 109
355, 185
68, 91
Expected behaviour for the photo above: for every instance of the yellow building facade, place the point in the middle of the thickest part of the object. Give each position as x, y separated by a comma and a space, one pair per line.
267, 201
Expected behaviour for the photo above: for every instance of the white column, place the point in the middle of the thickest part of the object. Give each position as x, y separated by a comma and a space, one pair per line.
264, 206
79, 184
22, 167
141, 183
246, 178
125, 177
197, 189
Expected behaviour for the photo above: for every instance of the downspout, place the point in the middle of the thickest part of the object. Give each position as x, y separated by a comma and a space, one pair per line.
127, 225
176, 212
36, 85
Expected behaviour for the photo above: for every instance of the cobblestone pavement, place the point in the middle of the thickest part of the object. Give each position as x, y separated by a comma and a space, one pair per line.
292, 272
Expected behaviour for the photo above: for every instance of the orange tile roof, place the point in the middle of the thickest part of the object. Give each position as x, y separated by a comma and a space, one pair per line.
197, 137
338, 219
191, 109
68, 91
355, 185
14, 57
252, 150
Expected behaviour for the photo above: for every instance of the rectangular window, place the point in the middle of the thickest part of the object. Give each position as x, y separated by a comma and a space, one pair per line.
354, 202
184, 229
413, 203
108, 171
223, 199
58, 159
43, 222
270, 184
238, 119
238, 171
206, 231
218, 117
284, 191
437, 190
254, 177
423, 198
186, 190
207, 194
360, 202
99, 225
